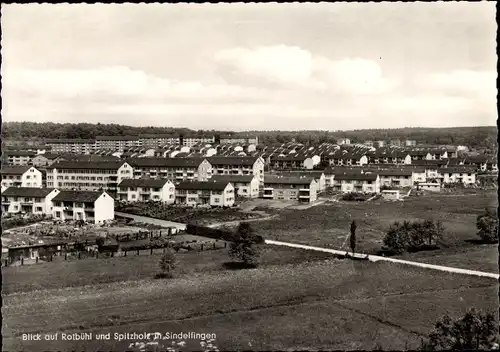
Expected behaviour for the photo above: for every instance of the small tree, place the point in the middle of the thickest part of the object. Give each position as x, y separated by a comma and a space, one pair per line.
167, 263
487, 226
474, 331
353, 236
242, 247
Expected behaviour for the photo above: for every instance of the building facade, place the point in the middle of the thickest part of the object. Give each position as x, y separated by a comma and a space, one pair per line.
215, 194
246, 186
92, 207
143, 190
28, 200
303, 189
21, 176
173, 169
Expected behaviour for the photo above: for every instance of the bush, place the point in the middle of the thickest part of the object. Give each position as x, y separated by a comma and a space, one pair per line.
413, 236
167, 264
474, 331
487, 226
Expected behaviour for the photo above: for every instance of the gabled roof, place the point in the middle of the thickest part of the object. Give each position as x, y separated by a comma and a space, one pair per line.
288, 180
246, 160
77, 196
77, 165
233, 178
394, 172
27, 192
15, 170
147, 182
165, 162
202, 185
357, 177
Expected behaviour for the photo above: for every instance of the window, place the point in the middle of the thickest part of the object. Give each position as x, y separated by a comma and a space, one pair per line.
38, 209
217, 200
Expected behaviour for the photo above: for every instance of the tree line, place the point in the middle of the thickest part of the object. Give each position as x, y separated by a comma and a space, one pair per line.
475, 137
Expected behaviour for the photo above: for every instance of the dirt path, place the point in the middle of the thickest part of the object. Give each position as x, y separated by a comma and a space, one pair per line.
375, 258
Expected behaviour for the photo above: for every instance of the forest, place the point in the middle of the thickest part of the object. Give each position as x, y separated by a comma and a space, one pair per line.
474, 137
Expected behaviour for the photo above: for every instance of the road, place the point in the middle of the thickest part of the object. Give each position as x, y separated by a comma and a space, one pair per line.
375, 258
153, 221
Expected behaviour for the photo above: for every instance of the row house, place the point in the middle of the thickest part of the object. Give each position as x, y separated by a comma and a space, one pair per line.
318, 176
464, 175
173, 169
246, 186
88, 176
92, 207
28, 200
420, 155
303, 189
483, 163
389, 156
360, 183
431, 167
143, 190
117, 143
19, 157
47, 159
21, 176
75, 146
216, 194
238, 166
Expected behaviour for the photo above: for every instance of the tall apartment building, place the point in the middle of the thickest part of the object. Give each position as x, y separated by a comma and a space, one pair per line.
239, 140
189, 141
73, 146
173, 169
117, 143
21, 176
253, 165
156, 141
88, 176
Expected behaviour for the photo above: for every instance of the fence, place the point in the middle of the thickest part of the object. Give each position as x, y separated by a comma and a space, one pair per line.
87, 254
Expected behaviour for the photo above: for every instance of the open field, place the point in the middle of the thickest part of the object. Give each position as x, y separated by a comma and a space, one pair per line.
327, 225
323, 305
59, 274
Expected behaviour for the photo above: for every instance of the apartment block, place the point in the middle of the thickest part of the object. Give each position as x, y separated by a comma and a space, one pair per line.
303, 189
21, 176
238, 166
244, 185
88, 176
143, 190
117, 143
28, 200
92, 207
360, 183
75, 146
173, 169
19, 158
216, 194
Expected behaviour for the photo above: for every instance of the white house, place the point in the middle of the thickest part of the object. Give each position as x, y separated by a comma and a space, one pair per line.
93, 207
28, 200
464, 175
396, 177
318, 176
216, 194
238, 166
142, 190
244, 185
361, 183
21, 176
303, 189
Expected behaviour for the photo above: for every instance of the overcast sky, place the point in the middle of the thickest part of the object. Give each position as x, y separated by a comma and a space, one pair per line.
322, 66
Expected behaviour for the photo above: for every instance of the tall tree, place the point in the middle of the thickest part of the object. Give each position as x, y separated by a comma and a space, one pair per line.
353, 236
242, 247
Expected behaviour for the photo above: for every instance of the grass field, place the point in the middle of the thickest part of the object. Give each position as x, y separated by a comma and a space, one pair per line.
60, 274
322, 305
327, 225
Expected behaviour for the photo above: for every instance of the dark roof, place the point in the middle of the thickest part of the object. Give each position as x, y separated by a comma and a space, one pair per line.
202, 185
15, 170
221, 160
148, 182
288, 180
361, 177
167, 162
429, 162
77, 196
394, 172
233, 178
76, 164
20, 153
26, 192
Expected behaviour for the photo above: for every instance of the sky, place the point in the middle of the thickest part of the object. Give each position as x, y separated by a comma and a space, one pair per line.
325, 66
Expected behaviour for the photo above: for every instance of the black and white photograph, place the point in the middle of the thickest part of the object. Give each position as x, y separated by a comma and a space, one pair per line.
189, 177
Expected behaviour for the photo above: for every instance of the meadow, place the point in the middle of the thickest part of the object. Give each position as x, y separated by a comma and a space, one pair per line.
333, 304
